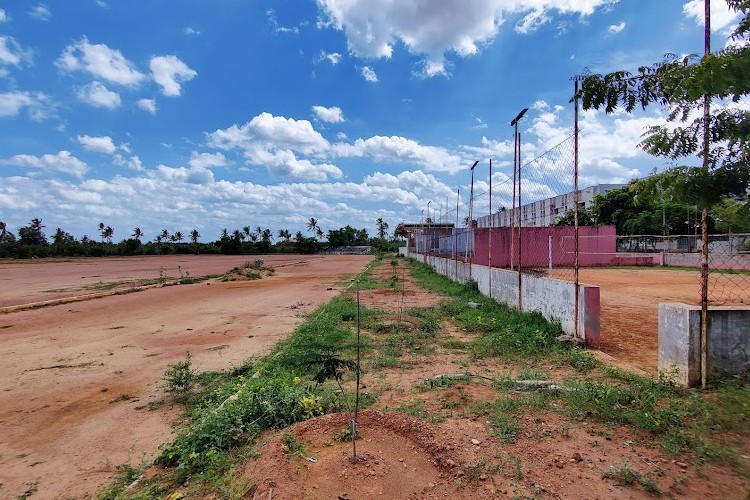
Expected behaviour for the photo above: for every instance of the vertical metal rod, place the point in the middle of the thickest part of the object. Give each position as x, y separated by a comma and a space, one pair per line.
489, 234
520, 238
455, 233
356, 394
471, 221
513, 208
704, 215
549, 254
575, 213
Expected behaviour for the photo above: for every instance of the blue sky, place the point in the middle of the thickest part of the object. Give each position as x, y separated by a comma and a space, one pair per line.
193, 114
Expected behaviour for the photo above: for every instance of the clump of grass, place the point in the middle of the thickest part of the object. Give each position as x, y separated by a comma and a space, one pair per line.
179, 380
504, 415
580, 359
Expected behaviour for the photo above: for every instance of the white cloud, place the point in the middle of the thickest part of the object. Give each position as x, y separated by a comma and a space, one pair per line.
341, 136
3, 16
62, 162
40, 12
207, 160
268, 131
373, 29
479, 124
721, 15
271, 15
400, 149
36, 103
334, 57
285, 164
100, 61
330, 115
189, 30
99, 96
132, 163
103, 144
616, 28
147, 105
11, 51
169, 72
369, 74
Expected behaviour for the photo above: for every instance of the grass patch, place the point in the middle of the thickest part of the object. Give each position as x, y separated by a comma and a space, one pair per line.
504, 415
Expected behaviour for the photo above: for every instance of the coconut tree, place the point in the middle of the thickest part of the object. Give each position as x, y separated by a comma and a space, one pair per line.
108, 233
177, 237
312, 225
164, 234
194, 235
137, 233
101, 230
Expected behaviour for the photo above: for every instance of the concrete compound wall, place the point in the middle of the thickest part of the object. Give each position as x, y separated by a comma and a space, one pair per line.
553, 299
680, 339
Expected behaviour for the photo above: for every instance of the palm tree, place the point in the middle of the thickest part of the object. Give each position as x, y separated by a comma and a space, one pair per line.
267, 235
224, 234
298, 236
318, 232
108, 232
177, 236
246, 231
137, 233
194, 235
164, 234
101, 230
312, 225
285, 234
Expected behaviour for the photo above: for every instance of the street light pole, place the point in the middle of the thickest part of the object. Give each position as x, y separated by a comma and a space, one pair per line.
471, 218
517, 174
430, 231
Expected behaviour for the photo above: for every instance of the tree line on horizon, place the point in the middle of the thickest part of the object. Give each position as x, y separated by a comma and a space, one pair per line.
31, 241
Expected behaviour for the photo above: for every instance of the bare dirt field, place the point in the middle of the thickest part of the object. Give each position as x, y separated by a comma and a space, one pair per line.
630, 300
78, 378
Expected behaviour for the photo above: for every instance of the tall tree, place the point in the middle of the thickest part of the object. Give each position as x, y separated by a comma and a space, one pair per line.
382, 228
137, 233
312, 225
33, 233
177, 237
108, 233
194, 236
685, 87
101, 230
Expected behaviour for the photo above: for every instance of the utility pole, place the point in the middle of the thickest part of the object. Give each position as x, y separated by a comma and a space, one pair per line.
517, 175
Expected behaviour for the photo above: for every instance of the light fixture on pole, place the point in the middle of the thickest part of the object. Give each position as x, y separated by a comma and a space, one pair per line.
471, 219
517, 181
429, 228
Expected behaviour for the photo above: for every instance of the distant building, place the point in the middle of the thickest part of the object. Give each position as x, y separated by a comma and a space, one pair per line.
547, 212
425, 236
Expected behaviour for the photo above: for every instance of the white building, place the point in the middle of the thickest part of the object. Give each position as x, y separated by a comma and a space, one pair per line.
547, 212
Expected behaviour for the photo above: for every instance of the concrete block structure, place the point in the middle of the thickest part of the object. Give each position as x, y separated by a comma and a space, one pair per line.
680, 336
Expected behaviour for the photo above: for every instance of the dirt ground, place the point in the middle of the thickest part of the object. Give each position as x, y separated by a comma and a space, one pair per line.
450, 452
77, 379
630, 300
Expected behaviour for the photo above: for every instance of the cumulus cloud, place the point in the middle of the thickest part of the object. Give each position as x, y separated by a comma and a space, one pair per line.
99, 96
147, 105
40, 12
207, 160
170, 72
63, 162
616, 28
721, 15
270, 131
100, 61
132, 163
329, 115
400, 149
369, 74
36, 103
333, 57
11, 52
103, 144
462, 27
271, 141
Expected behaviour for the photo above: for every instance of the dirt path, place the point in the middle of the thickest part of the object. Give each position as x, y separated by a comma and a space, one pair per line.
77, 379
630, 309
